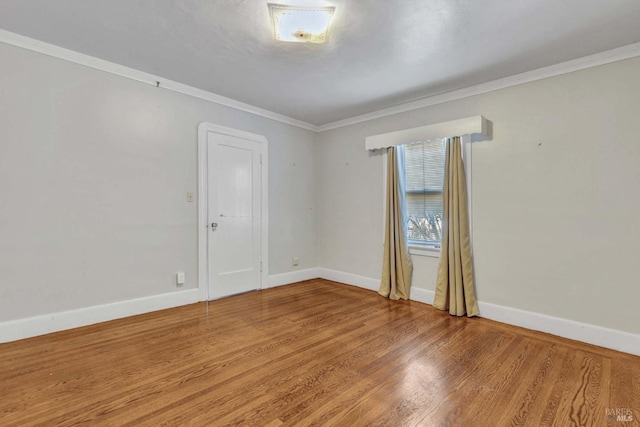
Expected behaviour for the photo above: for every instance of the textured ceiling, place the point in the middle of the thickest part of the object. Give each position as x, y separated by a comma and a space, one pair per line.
380, 52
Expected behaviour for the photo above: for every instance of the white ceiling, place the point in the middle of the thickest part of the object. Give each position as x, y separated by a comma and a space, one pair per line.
380, 52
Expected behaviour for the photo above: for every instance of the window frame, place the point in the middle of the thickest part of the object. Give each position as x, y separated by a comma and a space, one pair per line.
427, 249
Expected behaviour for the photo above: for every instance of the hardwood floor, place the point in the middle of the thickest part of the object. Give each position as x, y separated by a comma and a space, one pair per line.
312, 353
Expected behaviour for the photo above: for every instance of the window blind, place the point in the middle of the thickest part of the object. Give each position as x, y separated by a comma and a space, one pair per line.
424, 177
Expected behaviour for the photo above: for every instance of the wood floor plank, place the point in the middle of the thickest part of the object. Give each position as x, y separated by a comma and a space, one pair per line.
370, 338
371, 376
312, 353
245, 354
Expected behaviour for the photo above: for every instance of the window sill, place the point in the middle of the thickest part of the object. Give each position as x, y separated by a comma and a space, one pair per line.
429, 251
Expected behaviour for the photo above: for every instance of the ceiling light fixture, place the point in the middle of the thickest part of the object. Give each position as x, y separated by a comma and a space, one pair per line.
300, 24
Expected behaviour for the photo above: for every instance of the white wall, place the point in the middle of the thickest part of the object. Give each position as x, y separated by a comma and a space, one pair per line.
94, 170
555, 196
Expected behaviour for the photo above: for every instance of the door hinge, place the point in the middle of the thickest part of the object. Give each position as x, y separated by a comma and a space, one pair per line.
260, 266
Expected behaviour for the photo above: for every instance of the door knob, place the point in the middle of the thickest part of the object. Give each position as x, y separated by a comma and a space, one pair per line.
214, 225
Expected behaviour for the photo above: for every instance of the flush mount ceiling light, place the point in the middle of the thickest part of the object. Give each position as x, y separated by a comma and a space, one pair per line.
300, 24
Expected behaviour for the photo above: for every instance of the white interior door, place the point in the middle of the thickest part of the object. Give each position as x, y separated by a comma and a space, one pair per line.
234, 214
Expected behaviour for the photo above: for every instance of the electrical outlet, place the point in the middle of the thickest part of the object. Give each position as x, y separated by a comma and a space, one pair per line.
190, 197
180, 278
295, 261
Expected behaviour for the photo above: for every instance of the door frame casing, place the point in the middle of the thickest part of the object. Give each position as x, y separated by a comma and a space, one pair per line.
203, 202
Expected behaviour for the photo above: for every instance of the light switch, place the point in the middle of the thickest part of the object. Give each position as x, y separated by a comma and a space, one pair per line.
190, 197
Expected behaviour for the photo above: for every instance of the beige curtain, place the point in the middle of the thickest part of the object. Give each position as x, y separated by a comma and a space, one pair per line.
454, 285
396, 264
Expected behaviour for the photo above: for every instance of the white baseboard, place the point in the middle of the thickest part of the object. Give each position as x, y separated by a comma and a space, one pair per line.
39, 325
422, 295
417, 294
585, 332
591, 334
349, 279
13, 330
291, 277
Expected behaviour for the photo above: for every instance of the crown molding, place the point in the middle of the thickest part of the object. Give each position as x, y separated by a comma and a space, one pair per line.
602, 58
18, 40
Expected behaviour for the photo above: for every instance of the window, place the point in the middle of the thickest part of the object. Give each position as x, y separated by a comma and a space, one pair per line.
424, 177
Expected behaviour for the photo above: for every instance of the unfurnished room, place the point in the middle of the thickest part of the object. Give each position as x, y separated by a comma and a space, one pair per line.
319, 213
